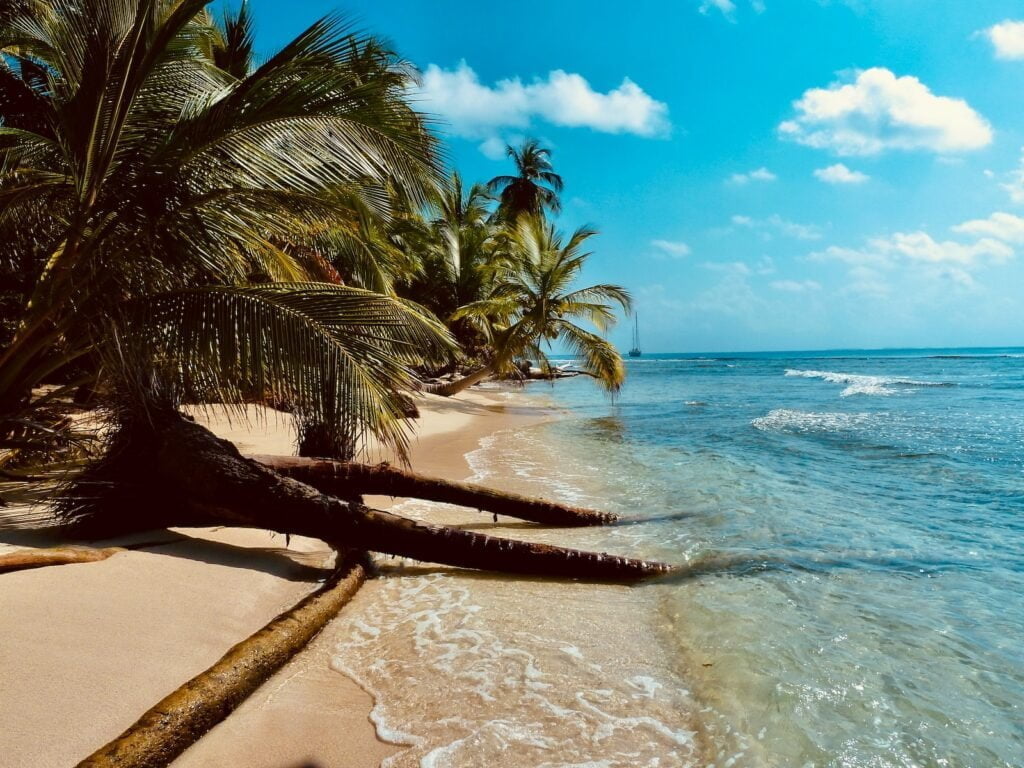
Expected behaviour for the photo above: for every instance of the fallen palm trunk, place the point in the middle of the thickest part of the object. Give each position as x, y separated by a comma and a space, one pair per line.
183, 475
181, 718
39, 558
450, 388
228, 489
338, 478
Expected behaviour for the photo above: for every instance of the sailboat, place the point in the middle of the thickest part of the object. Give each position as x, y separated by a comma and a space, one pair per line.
635, 351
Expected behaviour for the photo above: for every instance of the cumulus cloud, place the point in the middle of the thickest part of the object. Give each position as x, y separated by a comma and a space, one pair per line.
476, 110
920, 256
879, 111
1002, 226
1007, 38
758, 174
796, 286
919, 247
776, 223
840, 174
671, 248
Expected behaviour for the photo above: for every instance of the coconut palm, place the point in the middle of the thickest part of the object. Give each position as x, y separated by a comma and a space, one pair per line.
144, 163
458, 245
535, 187
533, 303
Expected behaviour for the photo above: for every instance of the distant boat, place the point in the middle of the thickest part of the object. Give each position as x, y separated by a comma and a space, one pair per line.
635, 351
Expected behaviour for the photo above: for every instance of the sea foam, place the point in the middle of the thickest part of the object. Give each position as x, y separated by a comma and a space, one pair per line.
862, 384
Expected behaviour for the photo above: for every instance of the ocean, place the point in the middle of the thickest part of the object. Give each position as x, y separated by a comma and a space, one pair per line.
852, 524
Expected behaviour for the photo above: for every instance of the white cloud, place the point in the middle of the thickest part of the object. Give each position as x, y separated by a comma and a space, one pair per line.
840, 174
729, 267
671, 248
796, 286
879, 111
919, 257
1015, 186
919, 247
1007, 37
727, 7
476, 110
494, 147
780, 225
758, 174
1002, 226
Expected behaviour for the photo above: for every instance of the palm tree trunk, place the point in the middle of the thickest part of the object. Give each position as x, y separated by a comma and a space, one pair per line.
181, 718
340, 478
24, 559
454, 387
201, 480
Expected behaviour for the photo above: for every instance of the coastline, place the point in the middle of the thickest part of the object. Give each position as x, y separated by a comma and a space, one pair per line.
88, 648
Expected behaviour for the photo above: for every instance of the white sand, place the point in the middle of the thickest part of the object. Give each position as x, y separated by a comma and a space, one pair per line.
88, 648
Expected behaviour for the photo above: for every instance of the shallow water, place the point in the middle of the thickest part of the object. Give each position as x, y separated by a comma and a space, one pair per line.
854, 528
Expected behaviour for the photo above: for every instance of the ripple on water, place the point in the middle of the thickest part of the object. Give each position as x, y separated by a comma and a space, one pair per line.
471, 670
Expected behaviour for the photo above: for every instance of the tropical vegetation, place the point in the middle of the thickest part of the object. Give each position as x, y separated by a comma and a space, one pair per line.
185, 224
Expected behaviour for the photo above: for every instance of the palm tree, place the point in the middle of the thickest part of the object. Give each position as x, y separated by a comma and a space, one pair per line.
136, 173
458, 245
533, 303
168, 211
535, 187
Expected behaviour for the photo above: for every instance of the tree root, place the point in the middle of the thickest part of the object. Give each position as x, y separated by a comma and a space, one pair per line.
338, 478
181, 718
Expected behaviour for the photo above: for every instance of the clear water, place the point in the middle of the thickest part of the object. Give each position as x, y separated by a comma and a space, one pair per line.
854, 524
853, 529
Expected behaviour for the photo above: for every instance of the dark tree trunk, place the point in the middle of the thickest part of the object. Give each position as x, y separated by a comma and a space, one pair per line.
201, 480
340, 478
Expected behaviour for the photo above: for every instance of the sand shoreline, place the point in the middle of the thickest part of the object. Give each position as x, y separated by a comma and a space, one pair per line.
87, 648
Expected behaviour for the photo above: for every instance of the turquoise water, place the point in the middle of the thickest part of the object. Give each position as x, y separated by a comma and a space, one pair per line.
854, 524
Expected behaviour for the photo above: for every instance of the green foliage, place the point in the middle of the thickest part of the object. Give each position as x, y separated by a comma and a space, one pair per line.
143, 154
187, 224
532, 302
534, 189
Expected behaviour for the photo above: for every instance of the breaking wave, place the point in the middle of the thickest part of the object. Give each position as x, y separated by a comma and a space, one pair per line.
862, 384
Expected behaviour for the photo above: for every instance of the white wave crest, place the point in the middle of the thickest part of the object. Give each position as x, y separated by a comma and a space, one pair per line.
862, 384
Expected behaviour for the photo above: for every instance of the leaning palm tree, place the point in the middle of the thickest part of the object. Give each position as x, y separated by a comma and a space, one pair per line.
533, 303
141, 156
535, 187
167, 210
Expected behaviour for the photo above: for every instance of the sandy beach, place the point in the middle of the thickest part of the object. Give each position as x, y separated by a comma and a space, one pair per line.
88, 648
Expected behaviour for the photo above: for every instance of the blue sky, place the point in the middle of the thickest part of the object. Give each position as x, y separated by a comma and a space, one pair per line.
765, 174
